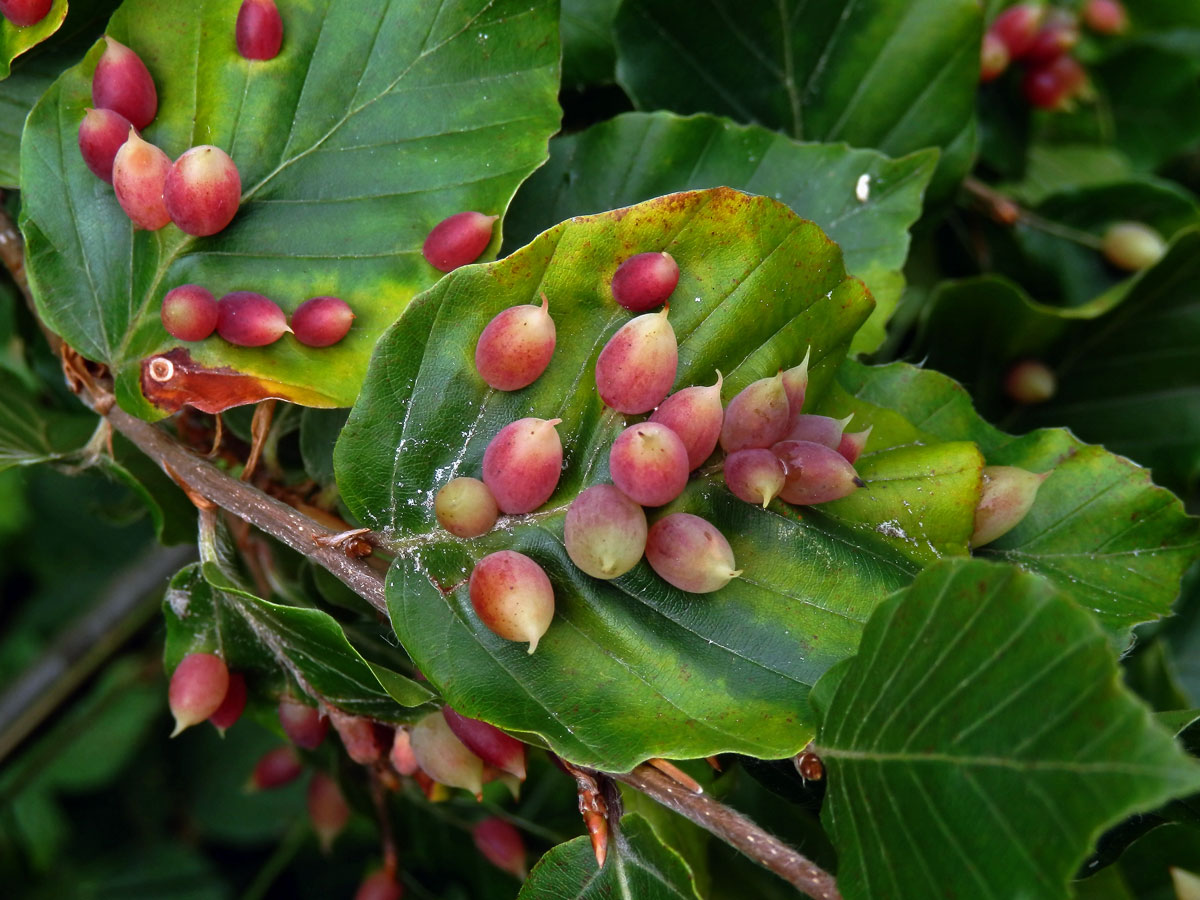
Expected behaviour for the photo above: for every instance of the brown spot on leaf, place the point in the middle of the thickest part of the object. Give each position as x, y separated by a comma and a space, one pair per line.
173, 380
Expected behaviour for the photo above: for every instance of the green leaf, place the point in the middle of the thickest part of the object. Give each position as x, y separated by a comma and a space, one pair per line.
205, 611
171, 512
1127, 378
319, 430
36, 71
31, 433
17, 95
1054, 168
1150, 675
1099, 530
680, 834
219, 806
637, 156
982, 739
589, 56
1074, 273
1182, 636
376, 122
638, 865
1147, 865
628, 667
14, 41
1148, 107
1184, 810
1124, 377
872, 73
108, 740
1178, 721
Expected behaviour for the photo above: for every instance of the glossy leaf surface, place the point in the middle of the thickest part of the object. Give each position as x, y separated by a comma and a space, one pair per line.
638, 865
14, 41
637, 156
395, 110
34, 72
1100, 531
1125, 364
632, 668
872, 73
255, 634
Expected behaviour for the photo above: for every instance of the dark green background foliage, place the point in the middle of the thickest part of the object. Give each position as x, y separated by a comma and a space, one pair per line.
1020, 719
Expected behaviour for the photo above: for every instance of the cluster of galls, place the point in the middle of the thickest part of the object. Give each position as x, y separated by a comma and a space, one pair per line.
201, 191
247, 319
1041, 40
444, 750
771, 450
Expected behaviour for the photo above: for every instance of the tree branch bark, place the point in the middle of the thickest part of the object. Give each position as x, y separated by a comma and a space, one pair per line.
287, 525
249, 503
736, 830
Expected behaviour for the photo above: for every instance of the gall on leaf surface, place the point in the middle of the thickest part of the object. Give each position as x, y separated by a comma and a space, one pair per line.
204, 610
632, 668
1117, 360
982, 739
376, 121
1100, 531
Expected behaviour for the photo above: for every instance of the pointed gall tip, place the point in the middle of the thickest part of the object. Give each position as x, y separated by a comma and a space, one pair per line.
858, 482
181, 725
545, 303
533, 645
846, 421
600, 848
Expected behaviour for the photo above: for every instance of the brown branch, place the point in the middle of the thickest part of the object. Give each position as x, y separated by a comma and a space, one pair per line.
1003, 209
736, 830
249, 503
287, 525
299, 532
